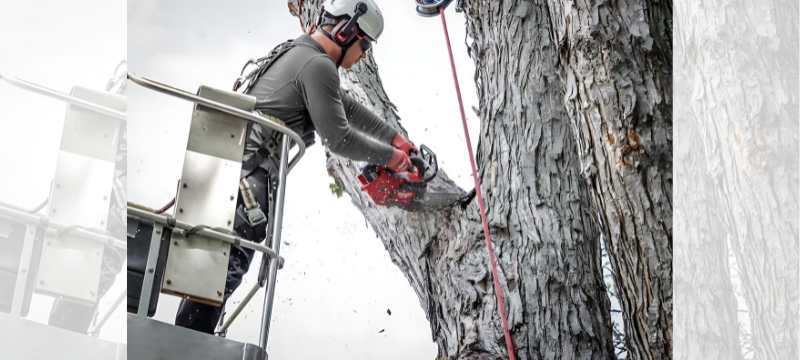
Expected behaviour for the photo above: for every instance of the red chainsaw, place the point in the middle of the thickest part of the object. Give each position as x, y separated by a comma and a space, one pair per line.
410, 190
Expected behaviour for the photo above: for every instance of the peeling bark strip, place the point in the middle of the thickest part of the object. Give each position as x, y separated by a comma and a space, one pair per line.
739, 77
542, 223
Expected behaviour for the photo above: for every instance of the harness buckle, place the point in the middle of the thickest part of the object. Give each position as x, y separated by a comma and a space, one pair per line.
255, 216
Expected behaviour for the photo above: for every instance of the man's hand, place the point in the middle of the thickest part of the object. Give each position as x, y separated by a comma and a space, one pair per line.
401, 143
399, 161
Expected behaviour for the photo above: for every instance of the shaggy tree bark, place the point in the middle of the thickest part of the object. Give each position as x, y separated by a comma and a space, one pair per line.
613, 61
747, 132
543, 209
706, 319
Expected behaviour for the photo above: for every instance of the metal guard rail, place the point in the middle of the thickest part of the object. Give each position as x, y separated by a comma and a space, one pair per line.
54, 226
230, 239
63, 97
152, 85
39, 221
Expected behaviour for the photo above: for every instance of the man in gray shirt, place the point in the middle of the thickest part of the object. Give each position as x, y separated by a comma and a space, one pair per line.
301, 87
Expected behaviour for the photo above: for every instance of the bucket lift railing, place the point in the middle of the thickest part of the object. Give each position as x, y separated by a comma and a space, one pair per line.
33, 222
49, 225
95, 330
63, 97
273, 253
165, 89
55, 227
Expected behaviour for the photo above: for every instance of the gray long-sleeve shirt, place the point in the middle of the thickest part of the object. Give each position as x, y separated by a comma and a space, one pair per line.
306, 78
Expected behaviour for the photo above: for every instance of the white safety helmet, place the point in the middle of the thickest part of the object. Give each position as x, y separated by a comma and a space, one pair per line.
351, 19
370, 21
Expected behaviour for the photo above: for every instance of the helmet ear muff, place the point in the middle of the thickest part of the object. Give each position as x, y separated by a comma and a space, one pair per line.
344, 32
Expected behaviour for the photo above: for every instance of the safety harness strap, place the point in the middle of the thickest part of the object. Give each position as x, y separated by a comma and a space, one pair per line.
246, 80
269, 147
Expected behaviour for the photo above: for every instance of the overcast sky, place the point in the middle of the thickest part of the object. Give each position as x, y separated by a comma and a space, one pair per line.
338, 281
57, 44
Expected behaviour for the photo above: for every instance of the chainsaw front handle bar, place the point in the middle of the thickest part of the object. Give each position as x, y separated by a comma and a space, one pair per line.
41, 90
181, 94
421, 161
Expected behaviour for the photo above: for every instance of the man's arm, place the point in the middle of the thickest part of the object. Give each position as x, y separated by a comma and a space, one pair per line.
318, 82
366, 121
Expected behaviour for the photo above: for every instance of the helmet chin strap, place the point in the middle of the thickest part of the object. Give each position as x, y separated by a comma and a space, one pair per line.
343, 47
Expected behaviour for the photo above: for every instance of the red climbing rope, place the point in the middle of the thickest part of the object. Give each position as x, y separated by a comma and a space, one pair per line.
497, 290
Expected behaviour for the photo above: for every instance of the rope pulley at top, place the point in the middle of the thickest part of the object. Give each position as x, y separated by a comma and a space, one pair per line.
429, 8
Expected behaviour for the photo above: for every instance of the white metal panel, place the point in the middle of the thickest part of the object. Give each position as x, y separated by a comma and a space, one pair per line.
70, 268
197, 267
208, 192
70, 265
81, 191
80, 195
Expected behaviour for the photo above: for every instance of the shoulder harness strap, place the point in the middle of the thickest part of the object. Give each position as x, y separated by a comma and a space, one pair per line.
248, 78
269, 145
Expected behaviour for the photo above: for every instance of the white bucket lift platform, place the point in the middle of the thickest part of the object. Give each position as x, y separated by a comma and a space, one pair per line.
155, 340
60, 343
59, 254
199, 236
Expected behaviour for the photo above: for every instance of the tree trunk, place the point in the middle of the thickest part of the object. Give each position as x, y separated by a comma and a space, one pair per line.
746, 112
540, 206
613, 62
706, 319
